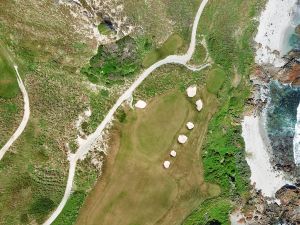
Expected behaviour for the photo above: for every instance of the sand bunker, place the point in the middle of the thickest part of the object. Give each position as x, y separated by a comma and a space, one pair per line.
167, 164
173, 153
199, 105
182, 139
191, 91
140, 104
190, 125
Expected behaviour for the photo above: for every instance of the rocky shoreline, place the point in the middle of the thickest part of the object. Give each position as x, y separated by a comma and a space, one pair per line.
274, 100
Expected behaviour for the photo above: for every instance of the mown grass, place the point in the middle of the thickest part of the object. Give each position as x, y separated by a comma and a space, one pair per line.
215, 80
169, 47
137, 174
49, 53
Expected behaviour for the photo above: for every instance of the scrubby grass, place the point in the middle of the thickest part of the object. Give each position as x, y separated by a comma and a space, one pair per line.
199, 54
70, 211
215, 210
223, 153
137, 174
115, 62
169, 47
215, 80
48, 51
160, 19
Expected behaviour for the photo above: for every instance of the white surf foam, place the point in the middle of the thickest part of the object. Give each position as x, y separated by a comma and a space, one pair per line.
296, 142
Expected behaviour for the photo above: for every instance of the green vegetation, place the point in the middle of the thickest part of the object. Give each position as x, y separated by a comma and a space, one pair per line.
199, 54
116, 61
8, 80
215, 80
211, 211
41, 207
169, 47
223, 154
37, 162
70, 211
104, 29
164, 196
160, 19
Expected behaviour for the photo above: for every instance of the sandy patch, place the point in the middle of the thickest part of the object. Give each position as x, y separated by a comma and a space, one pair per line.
167, 164
173, 153
199, 105
263, 176
140, 104
190, 125
273, 24
182, 139
191, 91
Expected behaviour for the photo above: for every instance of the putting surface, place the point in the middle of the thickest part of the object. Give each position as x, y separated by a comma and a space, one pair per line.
135, 189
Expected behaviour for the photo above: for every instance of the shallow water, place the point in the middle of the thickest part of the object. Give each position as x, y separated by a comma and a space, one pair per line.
292, 40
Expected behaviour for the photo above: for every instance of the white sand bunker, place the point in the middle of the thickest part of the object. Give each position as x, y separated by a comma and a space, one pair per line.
199, 105
167, 164
190, 125
191, 91
173, 153
182, 139
140, 104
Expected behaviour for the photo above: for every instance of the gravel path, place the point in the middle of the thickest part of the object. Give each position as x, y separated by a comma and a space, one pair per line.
91, 139
25, 119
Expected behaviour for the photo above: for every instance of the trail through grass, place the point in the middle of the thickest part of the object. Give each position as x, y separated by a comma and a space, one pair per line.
137, 177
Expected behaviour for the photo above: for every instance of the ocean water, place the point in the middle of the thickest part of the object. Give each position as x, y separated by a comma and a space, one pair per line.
281, 118
296, 141
291, 39
283, 110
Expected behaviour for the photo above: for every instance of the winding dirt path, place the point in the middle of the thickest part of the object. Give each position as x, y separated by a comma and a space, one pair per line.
25, 119
91, 139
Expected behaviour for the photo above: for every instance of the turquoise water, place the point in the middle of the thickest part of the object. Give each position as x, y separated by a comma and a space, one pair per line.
281, 112
293, 38
281, 117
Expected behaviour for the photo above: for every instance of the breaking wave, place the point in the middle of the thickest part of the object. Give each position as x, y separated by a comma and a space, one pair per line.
296, 141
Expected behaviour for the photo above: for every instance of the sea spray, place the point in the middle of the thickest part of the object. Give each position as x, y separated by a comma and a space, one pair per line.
296, 142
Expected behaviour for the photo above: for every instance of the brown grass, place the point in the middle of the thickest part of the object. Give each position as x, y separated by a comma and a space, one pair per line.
135, 189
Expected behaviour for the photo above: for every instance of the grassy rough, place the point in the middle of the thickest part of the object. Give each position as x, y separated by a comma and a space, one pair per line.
215, 80
169, 47
223, 156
